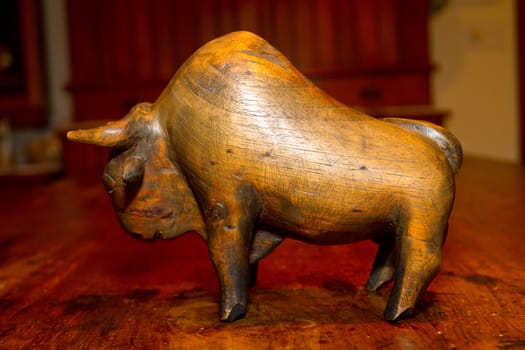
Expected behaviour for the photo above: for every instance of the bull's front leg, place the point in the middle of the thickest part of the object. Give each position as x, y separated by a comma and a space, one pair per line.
230, 221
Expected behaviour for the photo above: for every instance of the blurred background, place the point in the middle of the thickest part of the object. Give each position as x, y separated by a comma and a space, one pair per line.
67, 64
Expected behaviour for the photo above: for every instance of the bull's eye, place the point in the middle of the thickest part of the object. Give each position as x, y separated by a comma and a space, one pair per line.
109, 182
133, 169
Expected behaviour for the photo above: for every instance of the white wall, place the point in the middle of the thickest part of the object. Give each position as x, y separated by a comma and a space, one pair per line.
473, 44
58, 67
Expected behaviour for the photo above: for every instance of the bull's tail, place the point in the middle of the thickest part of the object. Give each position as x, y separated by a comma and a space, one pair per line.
445, 140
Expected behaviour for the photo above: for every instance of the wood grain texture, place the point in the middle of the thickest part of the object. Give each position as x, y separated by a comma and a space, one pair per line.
70, 278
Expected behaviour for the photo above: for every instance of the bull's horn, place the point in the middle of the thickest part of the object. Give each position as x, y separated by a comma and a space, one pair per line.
113, 134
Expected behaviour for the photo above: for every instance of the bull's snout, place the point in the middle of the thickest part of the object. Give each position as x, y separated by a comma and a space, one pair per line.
146, 237
147, 224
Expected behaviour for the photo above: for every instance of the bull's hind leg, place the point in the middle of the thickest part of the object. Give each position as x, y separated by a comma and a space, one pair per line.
254, 271
384, 264
264, 242
418, 262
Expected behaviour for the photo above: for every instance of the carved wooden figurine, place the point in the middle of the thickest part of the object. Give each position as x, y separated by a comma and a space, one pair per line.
244, 150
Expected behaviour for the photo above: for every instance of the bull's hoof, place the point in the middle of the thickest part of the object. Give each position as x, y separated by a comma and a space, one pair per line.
378, 278
236, 313
395, 314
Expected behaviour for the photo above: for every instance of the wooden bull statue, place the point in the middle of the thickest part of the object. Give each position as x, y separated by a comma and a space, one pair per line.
244, 150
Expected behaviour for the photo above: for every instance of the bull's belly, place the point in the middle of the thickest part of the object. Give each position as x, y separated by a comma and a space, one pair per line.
311, 222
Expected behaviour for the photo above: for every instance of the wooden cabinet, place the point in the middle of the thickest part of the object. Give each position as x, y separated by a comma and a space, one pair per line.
363, 52
21, 68
394, 89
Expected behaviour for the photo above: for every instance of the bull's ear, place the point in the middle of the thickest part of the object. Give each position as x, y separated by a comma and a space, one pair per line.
113, 134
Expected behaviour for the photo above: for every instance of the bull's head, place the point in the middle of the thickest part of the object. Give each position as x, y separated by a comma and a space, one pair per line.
150, 194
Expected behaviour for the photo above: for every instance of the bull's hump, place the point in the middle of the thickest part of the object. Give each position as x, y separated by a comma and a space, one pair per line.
245, 45
242, 73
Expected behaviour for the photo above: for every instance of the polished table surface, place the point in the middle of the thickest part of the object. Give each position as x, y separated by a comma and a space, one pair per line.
71, 279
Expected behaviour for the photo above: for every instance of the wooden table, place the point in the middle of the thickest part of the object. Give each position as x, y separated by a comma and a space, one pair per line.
71, 279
